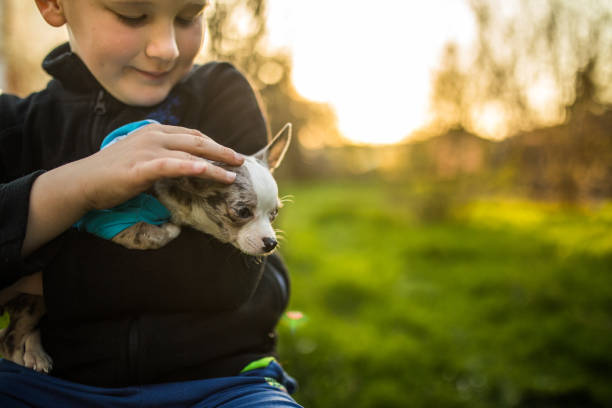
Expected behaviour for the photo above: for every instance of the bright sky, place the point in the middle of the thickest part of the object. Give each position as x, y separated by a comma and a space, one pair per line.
370, 59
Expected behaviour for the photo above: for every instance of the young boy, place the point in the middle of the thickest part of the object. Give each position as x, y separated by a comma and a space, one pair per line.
189, 324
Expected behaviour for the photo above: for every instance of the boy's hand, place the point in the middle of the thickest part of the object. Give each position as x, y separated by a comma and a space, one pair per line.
130, 166
61, 196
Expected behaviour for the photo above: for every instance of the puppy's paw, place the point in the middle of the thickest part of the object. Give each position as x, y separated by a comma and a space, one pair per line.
34, 355
38, 360
172, 230
146, 236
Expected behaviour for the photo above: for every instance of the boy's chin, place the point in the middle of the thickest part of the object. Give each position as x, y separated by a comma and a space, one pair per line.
141, 100
142, 97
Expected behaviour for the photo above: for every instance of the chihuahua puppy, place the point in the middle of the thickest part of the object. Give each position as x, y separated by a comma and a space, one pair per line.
240, 214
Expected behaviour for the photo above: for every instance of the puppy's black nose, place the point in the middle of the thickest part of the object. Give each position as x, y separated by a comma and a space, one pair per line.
269, 244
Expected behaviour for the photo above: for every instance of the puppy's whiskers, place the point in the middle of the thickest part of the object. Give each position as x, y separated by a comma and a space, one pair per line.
286, 199
280, 234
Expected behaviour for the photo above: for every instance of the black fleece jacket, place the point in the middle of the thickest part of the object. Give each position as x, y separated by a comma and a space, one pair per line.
195, 308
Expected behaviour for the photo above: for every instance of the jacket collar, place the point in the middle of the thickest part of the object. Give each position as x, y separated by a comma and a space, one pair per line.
65, 66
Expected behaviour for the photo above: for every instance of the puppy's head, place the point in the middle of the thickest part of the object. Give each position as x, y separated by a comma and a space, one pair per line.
240, 213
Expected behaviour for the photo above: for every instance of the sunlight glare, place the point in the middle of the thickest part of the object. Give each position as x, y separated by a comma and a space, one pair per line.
490, 121
370, 61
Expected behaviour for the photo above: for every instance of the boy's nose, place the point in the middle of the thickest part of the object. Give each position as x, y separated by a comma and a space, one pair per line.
162, 44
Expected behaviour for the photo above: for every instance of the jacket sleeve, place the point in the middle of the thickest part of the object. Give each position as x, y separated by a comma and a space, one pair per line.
192, 273
14, 202
16, 179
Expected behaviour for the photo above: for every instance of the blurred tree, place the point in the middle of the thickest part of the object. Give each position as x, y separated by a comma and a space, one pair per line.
536, 65
238, 34
533, 64
449, 101
21, 25
3, 8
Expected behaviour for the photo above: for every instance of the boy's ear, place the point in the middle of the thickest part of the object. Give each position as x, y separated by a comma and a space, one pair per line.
274, 152
52, 11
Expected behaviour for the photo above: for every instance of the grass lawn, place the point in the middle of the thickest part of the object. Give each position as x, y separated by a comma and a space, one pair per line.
500, 303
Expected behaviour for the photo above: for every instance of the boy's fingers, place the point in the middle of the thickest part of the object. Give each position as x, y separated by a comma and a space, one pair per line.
178, 129
203, 146
194, 141
210, 171
177, 167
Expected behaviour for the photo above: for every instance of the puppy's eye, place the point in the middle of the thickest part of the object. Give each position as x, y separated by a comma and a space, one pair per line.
244, 212
273, 214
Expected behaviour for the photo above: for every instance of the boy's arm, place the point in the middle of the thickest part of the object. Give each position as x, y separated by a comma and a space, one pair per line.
14, 196
38, 207
63, 195
17, 176
35, 206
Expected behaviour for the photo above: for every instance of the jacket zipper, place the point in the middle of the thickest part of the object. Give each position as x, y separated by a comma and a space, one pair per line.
99, 111
100, 108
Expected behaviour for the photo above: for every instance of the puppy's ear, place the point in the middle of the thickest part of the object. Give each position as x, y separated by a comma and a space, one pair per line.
274, 152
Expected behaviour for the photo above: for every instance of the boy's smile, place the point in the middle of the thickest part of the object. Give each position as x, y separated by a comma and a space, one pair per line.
137, 50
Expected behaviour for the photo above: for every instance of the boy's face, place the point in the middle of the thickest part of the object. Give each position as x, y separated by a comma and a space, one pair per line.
138, 50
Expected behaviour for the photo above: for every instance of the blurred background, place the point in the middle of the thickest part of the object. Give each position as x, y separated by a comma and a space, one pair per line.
450, 230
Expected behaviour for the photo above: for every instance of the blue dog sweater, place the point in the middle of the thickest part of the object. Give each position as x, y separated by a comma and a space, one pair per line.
144, 207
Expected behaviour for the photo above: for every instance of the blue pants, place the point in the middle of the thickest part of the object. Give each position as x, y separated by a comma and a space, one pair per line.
263, 387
